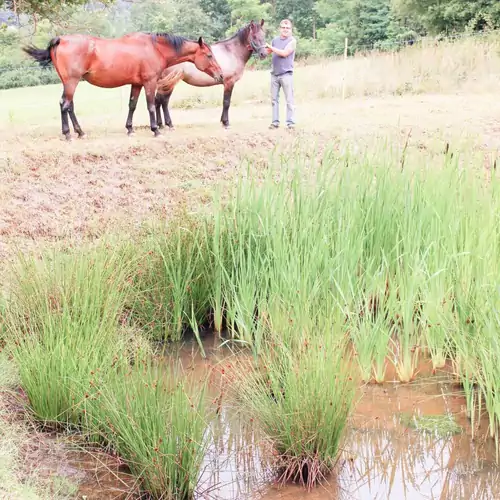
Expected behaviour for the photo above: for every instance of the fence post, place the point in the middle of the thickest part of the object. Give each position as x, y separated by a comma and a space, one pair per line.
345, 69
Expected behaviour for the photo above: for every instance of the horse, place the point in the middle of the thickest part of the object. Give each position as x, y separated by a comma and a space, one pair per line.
232, 54
137, 59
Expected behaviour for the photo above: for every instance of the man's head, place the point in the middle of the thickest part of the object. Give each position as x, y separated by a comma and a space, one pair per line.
285, 28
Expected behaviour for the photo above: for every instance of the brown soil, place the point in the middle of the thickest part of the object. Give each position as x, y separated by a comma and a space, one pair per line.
53, 191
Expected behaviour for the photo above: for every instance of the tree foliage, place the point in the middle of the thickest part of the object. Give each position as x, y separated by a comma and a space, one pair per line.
321, 26
243, 11
445, 16
43, 8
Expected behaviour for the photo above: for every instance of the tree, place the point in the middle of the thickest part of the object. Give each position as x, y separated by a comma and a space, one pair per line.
244, 11
442, 16
364, 22
219, 13
186, 18
302, 13
43, 8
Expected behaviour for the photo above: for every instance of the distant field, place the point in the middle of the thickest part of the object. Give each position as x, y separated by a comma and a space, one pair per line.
52, 191
468, 66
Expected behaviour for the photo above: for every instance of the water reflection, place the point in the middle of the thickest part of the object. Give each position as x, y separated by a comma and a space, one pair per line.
411, 465
381, 459
376, 464
237, 465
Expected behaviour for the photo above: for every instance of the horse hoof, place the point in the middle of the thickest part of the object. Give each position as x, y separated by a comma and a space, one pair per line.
83, 135
157, 133
161, 126
131, 133
68, 137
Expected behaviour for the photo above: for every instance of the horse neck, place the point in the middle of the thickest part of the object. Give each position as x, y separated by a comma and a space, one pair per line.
185, 54
235, 45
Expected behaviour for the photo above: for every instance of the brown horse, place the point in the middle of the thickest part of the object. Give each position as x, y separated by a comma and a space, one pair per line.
137, 59
232, 54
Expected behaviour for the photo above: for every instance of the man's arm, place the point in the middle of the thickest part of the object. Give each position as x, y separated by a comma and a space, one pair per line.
286, 51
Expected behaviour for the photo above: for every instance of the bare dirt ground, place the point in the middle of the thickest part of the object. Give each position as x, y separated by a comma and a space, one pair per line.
53, 191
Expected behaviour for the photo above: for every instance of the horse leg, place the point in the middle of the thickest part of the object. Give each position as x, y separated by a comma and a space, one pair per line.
158, 103
66, 104
225, 105
132, 104
166, 112
150, 89
74, 120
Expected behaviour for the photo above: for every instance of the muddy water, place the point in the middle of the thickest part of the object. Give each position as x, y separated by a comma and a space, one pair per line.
382, 457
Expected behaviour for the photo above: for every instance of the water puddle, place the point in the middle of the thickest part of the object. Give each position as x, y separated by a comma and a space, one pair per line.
384, 456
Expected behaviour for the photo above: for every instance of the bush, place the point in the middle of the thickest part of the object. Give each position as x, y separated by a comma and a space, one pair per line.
26, 76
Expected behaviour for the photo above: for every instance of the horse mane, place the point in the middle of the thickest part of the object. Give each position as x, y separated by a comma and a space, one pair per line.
241, 35
176, 41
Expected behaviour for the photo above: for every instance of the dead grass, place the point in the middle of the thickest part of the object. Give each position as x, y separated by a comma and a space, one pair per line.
58, 193
52, 191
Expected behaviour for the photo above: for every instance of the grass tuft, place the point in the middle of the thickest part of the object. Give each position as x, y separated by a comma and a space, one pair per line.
301, 401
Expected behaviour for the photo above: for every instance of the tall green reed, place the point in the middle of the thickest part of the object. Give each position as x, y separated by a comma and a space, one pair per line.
173, 281
62, 323
300, 398
157, 420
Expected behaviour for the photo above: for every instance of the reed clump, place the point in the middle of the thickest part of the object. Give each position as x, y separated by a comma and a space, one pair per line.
157, 421
301, 399
62, 327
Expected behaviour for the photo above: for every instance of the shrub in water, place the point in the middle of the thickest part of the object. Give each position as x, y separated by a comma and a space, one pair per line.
301, 399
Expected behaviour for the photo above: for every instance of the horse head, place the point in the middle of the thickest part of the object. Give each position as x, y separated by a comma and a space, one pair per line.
205, 61
257, 39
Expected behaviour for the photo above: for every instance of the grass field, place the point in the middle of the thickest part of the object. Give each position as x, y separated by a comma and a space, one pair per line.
426, 112
51, 190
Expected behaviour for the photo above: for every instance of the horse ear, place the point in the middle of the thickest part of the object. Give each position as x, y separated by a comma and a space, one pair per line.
262, 22
200, 41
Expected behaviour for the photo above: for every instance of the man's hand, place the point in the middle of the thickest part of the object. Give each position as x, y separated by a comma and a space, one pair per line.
282, 52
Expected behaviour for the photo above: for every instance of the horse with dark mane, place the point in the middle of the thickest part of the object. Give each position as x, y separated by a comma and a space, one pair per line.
136, 59
232, 55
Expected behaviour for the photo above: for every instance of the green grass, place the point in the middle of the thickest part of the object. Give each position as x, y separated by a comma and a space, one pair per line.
62, 328
172, 282
17, 481
157, 421
83, 369
301, 398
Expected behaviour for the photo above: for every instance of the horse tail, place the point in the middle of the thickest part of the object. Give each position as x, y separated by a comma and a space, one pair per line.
43, 56
167, 84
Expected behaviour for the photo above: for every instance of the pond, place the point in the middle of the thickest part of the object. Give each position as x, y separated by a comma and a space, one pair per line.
404, 441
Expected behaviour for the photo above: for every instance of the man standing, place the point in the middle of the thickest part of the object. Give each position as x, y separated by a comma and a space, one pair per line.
283, 49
